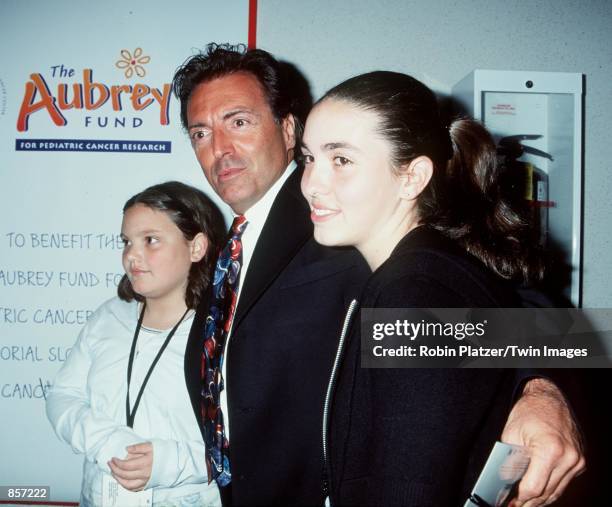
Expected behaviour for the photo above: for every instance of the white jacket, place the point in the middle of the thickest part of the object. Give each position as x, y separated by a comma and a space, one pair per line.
86, 407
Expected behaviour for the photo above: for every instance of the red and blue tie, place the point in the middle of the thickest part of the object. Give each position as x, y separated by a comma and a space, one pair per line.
218, 323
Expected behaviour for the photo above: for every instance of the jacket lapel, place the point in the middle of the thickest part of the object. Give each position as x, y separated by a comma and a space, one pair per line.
287, 228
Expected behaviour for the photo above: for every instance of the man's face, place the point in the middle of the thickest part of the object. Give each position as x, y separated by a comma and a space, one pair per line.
240, 146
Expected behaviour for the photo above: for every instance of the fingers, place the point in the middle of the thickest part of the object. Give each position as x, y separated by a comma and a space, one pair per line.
134, 471
576, 470
130, 473
534, 482
141, 448
548, 475
132, 465
542, 421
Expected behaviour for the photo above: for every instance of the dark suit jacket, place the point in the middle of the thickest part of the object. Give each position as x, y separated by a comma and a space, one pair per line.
417, 437
281, 350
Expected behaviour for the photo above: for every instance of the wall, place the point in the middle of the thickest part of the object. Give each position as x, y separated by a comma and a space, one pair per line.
439, 42
63, 185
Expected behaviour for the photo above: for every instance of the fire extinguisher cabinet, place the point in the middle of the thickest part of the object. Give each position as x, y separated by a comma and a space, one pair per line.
536, 121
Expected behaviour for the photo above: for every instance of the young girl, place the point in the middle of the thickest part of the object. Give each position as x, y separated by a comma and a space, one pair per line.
120, 397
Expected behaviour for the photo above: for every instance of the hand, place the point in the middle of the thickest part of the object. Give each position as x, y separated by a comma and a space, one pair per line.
134, 471
541, 420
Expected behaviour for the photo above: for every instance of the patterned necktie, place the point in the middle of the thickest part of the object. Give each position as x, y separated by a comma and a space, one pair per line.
218, 324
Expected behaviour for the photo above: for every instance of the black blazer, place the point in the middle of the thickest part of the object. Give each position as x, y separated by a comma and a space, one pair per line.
417, 437
281, 350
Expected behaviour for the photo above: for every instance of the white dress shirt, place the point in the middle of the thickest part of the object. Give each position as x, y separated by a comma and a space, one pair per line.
256, 216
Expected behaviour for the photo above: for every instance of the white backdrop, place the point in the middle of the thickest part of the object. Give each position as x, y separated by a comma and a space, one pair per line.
60, 208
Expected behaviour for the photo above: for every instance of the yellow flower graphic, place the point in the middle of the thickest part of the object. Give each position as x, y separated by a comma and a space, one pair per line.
132, 63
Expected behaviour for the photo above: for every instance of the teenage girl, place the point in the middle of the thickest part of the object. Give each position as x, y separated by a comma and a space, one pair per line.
421, 204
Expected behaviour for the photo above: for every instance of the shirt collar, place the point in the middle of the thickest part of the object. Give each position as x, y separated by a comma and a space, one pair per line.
258, 213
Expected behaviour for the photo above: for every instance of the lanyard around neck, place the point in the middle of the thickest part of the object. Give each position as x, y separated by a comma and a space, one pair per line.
131, 415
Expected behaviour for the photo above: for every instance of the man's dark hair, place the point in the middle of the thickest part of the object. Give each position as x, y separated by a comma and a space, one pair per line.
277, 79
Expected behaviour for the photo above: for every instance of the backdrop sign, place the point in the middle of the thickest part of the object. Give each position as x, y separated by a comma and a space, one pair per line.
87, 119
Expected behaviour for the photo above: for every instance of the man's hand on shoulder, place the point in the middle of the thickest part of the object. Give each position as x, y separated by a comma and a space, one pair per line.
541, 420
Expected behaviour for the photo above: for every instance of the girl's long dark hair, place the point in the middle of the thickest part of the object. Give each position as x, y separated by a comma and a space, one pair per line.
193, 212
464, 200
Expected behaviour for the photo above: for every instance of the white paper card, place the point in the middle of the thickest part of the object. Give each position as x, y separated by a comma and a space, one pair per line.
504, 468
115, 495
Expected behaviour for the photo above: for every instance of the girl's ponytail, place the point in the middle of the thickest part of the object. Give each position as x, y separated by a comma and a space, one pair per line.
469, 204
464, 199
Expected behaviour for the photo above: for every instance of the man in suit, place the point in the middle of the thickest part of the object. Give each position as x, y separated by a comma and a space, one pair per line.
240, 114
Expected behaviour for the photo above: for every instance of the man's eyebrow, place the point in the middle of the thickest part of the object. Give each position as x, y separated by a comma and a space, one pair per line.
239, 110
196, 125
226, 116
